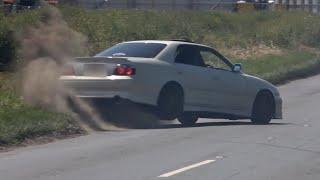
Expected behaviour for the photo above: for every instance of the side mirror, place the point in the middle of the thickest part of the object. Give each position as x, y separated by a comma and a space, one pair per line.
237, 68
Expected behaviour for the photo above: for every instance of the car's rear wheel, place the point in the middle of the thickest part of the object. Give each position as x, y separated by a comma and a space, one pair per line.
263, 108
170, 102
188, 119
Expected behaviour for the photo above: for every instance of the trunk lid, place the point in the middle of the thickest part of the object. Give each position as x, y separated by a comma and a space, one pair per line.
97, 66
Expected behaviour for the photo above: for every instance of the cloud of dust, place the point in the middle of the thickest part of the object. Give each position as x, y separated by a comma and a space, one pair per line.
45, 49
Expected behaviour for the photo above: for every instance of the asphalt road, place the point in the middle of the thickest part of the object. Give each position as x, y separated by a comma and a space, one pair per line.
288, 149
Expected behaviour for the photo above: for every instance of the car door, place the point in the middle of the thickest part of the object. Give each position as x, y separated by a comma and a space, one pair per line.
193, 76
227, 87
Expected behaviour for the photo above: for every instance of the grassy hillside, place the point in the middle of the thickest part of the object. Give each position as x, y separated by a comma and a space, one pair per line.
274, 45
219, 29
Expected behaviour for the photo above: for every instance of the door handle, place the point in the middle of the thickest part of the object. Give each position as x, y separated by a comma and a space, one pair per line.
179, 72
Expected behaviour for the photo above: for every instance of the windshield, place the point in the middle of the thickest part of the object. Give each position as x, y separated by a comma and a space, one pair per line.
145, 50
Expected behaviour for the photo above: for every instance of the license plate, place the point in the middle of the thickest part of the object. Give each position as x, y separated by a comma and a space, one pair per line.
98, 70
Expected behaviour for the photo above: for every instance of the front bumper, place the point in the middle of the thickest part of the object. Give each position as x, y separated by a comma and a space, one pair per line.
278, 108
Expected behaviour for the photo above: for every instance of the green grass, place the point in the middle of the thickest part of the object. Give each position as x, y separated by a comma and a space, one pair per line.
19, 121
286, 31
281, 68
23, 122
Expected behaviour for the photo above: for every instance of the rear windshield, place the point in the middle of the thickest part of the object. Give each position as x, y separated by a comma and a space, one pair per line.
145, 50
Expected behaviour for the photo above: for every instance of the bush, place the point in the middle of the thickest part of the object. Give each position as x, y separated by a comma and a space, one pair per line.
8, 47
11, 28
7, 42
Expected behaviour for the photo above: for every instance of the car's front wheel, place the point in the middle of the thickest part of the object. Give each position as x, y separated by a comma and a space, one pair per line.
263, 108
188, 119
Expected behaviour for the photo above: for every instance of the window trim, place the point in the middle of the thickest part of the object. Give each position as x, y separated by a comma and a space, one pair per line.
212, 50
197, 47
221, 57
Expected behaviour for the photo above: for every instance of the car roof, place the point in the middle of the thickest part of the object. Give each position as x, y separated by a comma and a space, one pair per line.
168, 42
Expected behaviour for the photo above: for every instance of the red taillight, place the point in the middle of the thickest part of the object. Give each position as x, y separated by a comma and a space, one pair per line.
124, 70
68, 71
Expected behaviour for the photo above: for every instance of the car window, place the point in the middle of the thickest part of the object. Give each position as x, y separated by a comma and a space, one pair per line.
189, 54
145, 50
210, 58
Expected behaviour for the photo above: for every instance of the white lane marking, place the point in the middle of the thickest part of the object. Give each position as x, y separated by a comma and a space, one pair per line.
172, 173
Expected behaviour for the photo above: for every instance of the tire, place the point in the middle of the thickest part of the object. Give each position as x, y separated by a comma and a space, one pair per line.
170, 102
263, 108
188, 119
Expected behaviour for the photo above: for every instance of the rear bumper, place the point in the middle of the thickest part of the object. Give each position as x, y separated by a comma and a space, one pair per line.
278, 108
114, 87
99, 87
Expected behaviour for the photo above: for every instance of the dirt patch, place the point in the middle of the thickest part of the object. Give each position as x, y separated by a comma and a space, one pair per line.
253, 52
309, 49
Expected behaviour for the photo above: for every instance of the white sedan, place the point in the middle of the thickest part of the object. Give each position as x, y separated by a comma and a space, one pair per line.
180, 79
